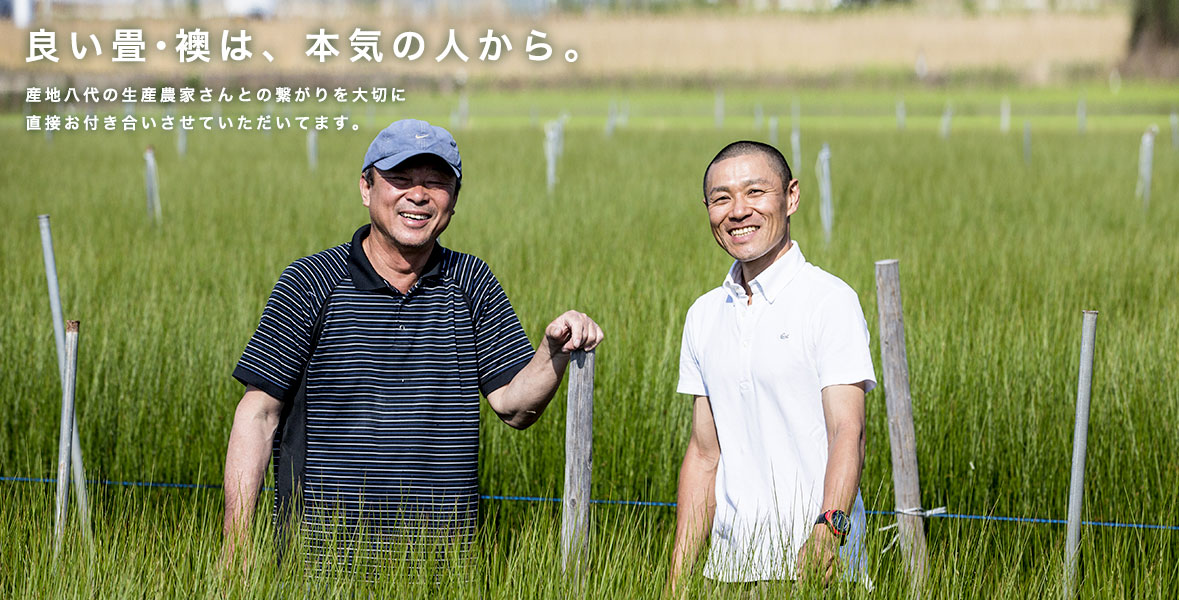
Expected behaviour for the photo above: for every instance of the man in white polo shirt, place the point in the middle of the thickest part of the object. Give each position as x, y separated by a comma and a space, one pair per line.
777, 360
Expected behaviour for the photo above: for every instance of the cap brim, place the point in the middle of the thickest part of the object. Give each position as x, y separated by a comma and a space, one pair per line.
390, 162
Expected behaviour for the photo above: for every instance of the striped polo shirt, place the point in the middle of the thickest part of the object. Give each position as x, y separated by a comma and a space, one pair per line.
378, 444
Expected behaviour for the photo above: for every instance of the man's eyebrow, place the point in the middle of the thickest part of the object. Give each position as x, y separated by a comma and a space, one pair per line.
746, 183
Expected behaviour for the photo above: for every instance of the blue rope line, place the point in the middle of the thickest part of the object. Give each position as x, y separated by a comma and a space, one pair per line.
882, 513
1035, 520
539, 499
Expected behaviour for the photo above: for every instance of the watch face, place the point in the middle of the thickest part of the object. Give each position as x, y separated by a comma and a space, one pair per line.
840, 521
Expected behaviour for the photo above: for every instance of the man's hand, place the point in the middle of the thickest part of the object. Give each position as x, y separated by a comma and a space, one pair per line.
843, 412
695, 495
236, 553
819, 555
572, 331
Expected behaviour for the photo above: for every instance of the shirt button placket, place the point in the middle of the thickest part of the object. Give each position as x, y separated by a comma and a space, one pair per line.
746, 355
398, 303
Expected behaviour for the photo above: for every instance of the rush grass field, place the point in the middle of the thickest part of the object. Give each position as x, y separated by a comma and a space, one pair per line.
998, 258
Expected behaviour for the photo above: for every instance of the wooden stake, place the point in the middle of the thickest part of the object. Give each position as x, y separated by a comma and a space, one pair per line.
579, 430
903, 438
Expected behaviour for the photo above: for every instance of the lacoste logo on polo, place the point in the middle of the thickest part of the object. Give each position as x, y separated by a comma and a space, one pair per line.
784, 336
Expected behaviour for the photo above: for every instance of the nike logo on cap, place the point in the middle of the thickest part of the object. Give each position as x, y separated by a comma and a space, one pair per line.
421, 136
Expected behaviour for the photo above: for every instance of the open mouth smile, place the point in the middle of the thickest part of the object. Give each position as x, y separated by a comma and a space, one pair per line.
741, 232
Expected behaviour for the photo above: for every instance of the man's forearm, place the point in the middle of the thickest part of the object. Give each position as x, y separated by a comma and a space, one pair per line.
845, 465
695, 508
250, 443
526, 396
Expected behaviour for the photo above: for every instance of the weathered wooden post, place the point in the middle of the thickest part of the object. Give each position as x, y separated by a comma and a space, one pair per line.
900, 114
1076, 490
902, 437
65, 435
947, 120
579, 430
774, 133
1005, 115
59, 337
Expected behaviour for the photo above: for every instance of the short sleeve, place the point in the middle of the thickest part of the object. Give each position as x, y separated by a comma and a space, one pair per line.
502, 348
691, 378
274, 357
841, 341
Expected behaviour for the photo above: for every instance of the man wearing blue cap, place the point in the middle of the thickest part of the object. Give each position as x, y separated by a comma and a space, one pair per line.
363, 377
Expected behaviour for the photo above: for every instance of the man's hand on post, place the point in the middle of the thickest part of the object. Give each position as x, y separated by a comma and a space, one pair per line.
521, 402
572, 331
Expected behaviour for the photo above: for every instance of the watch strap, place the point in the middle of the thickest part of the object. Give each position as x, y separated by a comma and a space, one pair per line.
829, 517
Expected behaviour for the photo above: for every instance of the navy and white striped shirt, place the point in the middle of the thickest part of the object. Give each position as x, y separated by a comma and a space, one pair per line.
380, 392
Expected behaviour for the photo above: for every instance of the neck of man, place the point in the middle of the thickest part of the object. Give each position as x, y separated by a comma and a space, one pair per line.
400, 266
751, 269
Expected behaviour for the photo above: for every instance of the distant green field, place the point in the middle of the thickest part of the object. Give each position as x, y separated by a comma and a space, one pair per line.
998, 258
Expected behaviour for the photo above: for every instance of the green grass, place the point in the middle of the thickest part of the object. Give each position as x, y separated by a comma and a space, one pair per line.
998, 258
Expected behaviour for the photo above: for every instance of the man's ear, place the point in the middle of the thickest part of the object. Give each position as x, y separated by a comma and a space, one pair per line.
792, 197
365, 190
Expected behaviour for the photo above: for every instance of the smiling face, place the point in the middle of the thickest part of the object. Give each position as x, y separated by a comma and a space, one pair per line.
411, 205
749, 208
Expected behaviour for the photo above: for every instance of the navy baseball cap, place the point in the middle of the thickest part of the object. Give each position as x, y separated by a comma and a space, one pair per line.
408, 138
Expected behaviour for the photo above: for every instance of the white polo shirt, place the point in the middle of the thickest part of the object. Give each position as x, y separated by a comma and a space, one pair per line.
762, 367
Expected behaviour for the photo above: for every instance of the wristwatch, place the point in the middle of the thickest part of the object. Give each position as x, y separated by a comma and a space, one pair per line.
838, 522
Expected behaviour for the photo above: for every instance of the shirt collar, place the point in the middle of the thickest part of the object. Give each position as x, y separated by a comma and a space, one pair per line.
365, 277
770, 282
